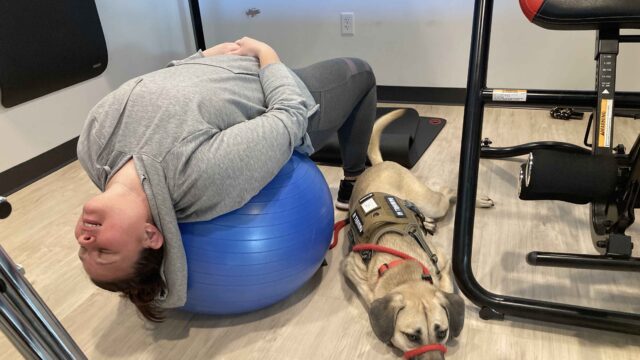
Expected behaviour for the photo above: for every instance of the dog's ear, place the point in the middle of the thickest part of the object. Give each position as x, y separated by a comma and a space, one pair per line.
454, 306
383, 313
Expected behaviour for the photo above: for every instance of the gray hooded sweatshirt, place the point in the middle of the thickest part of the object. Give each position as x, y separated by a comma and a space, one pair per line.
206, 134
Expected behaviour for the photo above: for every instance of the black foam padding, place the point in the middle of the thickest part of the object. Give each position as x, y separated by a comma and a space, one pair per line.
48, 45
588, 15
403, 141
574, 178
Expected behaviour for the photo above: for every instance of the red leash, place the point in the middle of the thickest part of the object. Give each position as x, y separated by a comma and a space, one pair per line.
364, 247
423, 349
400, 254
336, 230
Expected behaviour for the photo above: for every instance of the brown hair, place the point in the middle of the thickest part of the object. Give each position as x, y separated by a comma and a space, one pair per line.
144, 286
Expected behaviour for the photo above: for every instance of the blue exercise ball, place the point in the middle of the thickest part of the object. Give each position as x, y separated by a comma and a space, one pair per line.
261, 253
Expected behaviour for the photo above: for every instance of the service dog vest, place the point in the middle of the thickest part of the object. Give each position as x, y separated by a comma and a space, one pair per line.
380, 213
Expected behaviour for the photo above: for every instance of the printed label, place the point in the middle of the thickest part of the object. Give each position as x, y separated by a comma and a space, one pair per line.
369, 205
606, 114
393, 203
509, 95
357, 222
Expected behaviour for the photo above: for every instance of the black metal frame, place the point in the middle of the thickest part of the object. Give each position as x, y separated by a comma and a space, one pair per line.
496, 306
196, 24
25, 318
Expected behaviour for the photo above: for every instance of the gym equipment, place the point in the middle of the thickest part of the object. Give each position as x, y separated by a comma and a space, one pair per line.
26, 320
403, 141
602, 175
48, 45
261, 253
565, 113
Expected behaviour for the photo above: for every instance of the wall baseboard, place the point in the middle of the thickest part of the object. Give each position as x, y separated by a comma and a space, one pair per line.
422, 95
28, 172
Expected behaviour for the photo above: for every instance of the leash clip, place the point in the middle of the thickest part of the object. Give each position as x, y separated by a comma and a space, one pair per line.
411, 206
417, 236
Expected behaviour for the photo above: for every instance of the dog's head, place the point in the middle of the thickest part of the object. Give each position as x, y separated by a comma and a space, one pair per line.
417, 314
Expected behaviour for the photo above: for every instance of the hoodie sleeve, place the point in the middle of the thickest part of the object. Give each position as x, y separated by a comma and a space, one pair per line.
219, 171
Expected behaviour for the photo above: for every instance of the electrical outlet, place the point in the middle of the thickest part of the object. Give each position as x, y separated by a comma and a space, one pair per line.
347, 23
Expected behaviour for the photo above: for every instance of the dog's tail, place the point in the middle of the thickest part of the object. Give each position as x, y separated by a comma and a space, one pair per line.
375, 156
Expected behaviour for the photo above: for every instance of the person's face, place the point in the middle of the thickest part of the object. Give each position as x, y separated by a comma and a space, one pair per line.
112, 231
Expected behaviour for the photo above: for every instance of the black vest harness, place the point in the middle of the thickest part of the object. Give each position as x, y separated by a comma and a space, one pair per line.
380, 213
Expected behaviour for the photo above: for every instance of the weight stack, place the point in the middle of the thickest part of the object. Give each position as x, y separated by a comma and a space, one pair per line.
570, 177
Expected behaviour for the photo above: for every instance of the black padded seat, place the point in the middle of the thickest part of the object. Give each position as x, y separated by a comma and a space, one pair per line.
583, 14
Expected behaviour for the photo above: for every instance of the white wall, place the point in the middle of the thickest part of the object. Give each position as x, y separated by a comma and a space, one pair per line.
141, 35
408, 42
418, 42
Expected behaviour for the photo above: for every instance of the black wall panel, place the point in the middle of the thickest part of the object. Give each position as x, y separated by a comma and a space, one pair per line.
46, 45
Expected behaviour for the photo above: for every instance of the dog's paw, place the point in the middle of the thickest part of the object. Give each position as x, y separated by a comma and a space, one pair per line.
430, 225
449, 193
483, 201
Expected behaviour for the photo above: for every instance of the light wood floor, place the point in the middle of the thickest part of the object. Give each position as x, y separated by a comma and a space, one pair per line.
324, 320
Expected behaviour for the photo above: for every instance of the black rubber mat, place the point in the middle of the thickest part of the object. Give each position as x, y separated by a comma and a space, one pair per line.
403, 141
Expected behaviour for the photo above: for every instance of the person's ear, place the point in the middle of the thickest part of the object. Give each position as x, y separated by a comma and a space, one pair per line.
153, 237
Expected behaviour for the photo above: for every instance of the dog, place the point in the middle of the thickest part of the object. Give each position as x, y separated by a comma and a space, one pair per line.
404, 309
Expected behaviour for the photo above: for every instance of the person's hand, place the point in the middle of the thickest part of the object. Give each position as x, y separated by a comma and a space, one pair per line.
251, 47
221, 49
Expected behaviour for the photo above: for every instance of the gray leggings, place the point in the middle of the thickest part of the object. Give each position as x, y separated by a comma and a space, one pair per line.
345, 88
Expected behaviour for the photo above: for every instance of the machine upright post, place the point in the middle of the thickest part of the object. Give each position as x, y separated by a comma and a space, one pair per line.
196, 24
470, 150
24, 317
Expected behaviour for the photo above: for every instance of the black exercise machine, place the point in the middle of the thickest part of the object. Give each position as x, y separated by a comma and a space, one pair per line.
24, 317
602, 175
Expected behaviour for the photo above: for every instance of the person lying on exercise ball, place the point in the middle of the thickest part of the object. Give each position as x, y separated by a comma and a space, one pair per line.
198, 139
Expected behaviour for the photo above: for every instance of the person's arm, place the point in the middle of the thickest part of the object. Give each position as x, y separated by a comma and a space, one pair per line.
258, 49
279, 87
267, 56
227, 168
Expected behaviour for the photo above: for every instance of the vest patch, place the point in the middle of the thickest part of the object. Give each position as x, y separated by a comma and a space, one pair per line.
369, 205
364, 198
393, 203
357, 222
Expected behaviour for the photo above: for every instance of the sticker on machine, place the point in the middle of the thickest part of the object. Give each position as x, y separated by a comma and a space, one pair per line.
509, 95
606, 119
